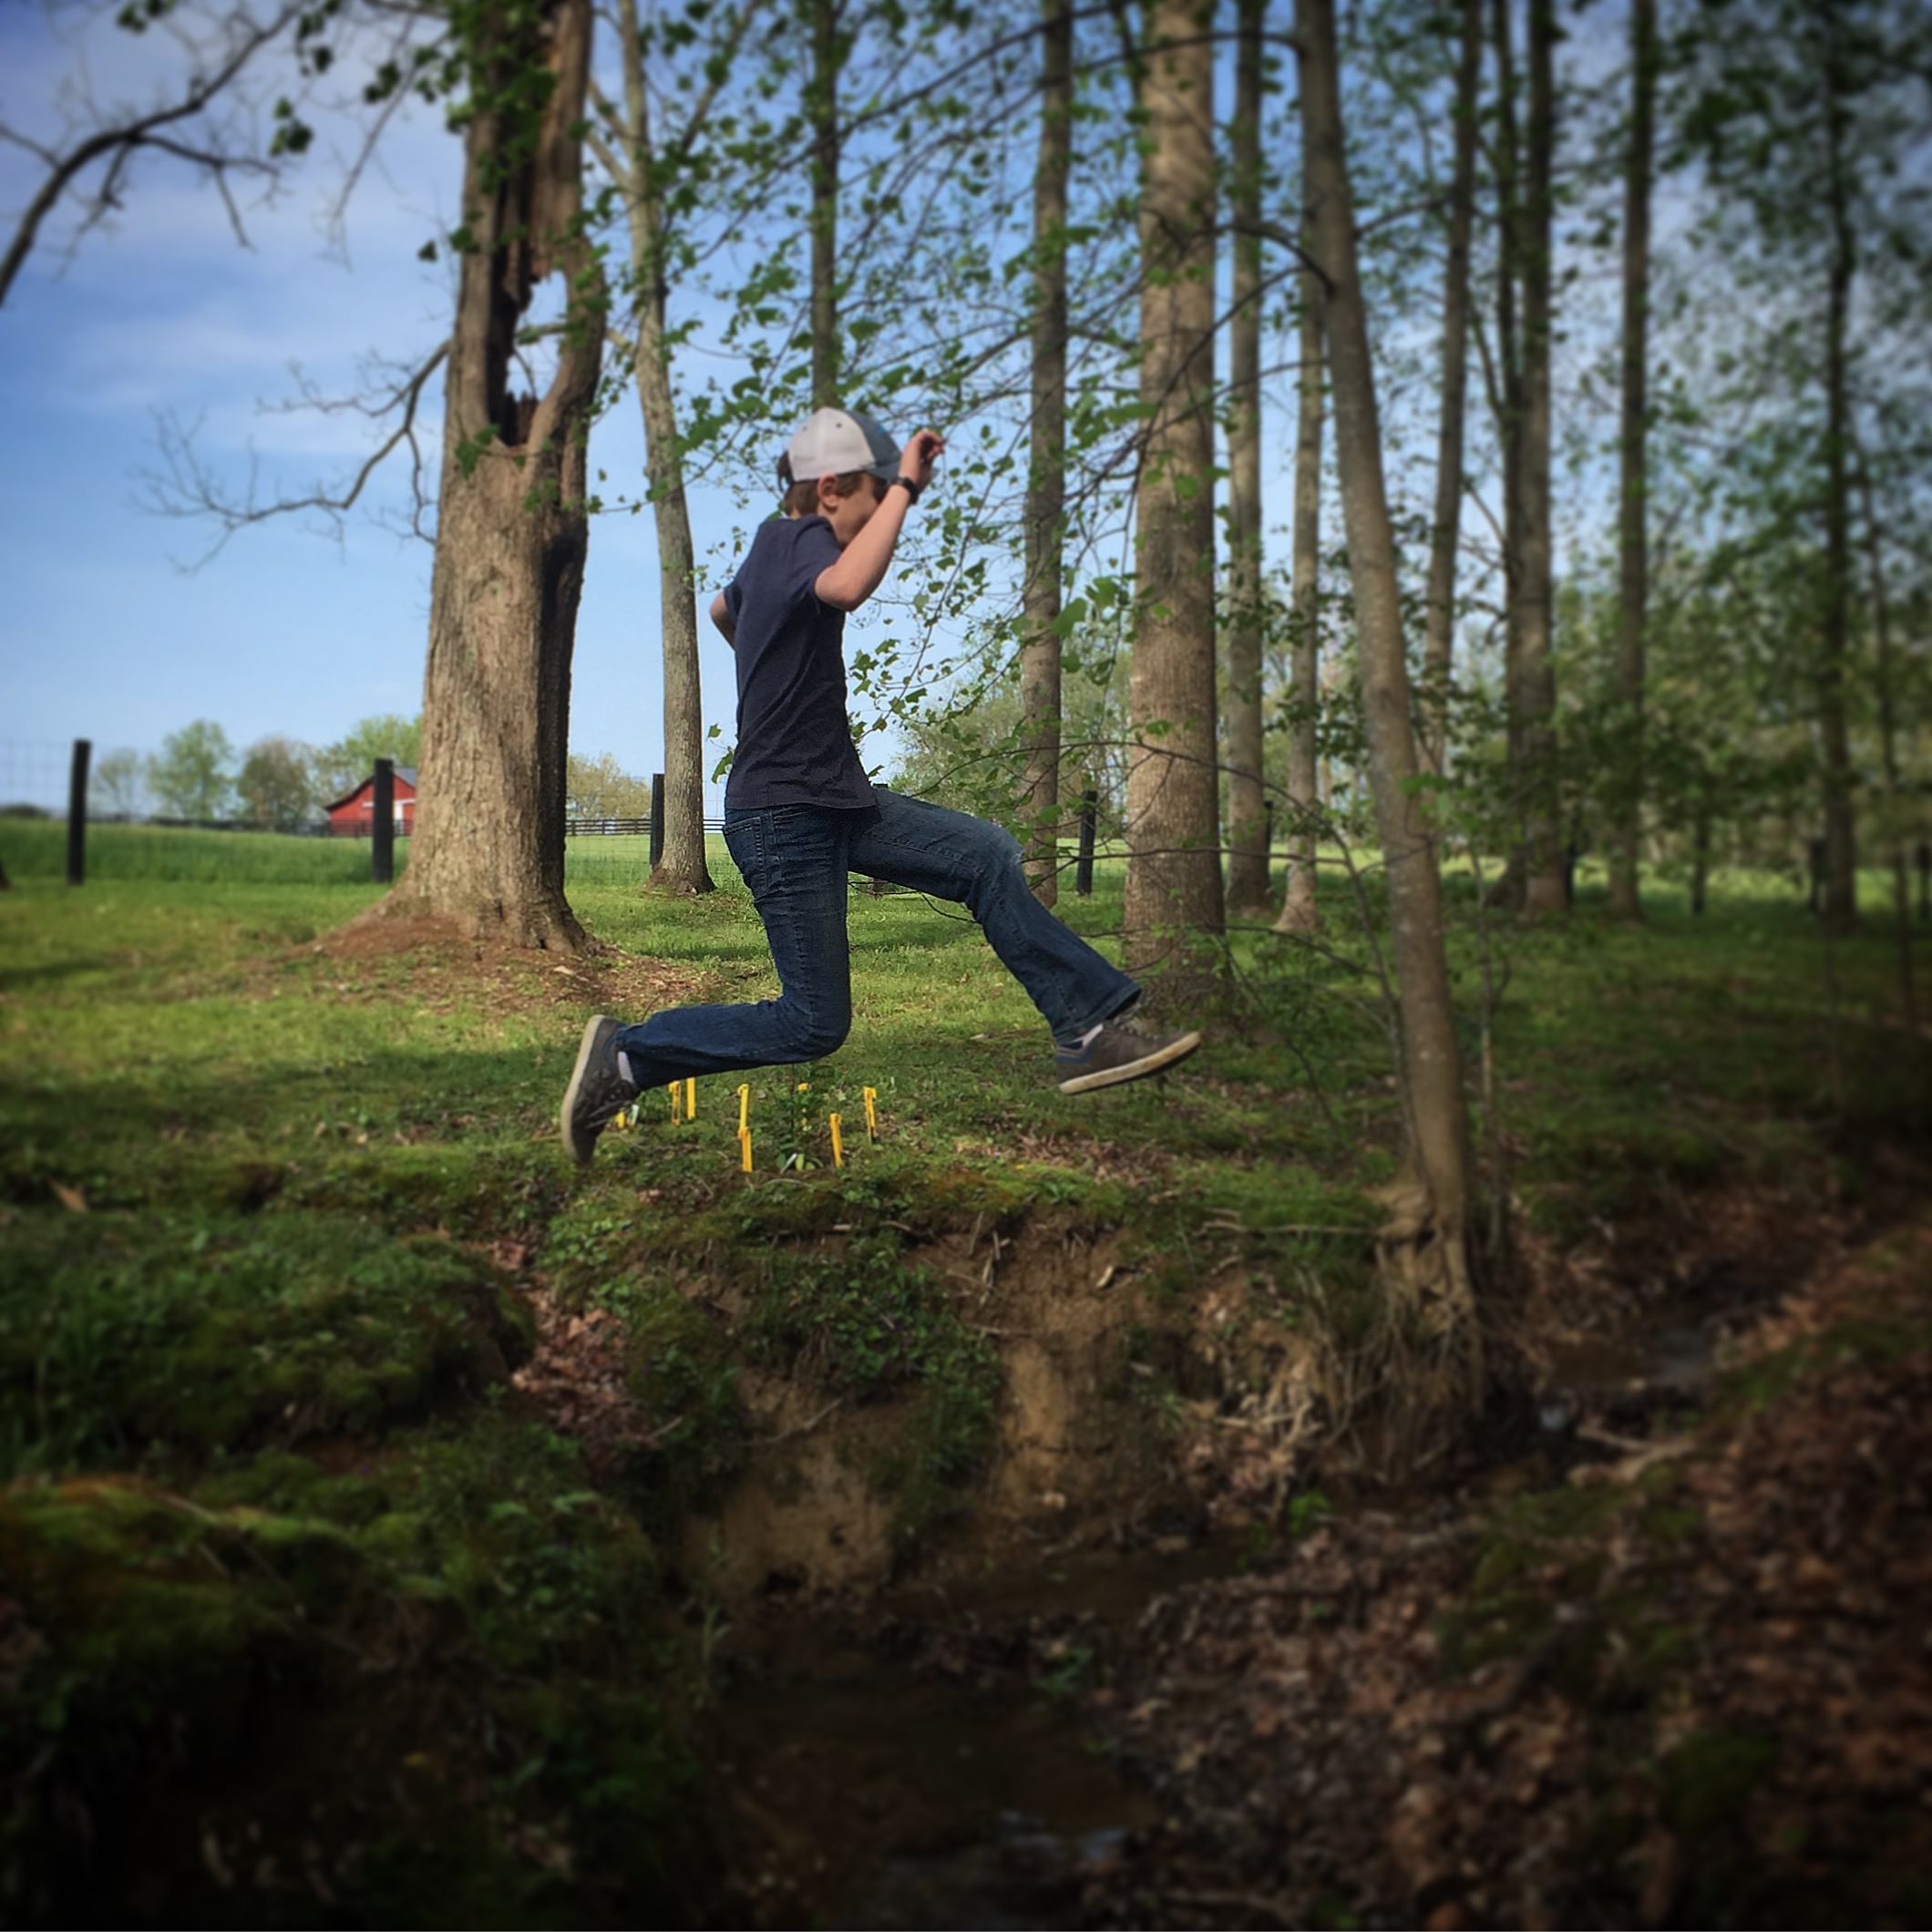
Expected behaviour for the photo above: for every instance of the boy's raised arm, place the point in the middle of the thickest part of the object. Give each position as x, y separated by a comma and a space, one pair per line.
863, 563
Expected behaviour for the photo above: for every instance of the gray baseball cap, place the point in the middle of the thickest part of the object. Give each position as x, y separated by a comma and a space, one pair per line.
836, 442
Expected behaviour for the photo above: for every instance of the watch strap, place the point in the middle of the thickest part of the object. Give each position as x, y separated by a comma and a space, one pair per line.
908, 486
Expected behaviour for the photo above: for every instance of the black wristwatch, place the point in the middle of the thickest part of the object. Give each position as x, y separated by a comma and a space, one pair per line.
907, 484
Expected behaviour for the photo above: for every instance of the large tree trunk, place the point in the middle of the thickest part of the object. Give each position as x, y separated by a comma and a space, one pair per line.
512, 527
1248, 854
822, 109
1445, 529
1305, 790
1627, 789
1174, 874
1425, 1248
682, 865
1545, 885
1841, 856
1046, 478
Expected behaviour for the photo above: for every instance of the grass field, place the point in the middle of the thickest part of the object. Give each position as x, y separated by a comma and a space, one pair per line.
274, 1206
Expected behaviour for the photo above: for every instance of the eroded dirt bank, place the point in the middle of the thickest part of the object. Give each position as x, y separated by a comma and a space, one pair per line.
1657, 1658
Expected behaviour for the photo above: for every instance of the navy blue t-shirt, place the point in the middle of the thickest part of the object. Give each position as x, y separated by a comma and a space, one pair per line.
795, 742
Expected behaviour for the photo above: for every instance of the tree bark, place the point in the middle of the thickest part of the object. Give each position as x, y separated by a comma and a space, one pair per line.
683, 866
1633, 457
1445, 528
822, 106
1299, 912
512, 526
1174, 874
1040, 644
1247, 855
1546, 886
1425, 1248
1840, 855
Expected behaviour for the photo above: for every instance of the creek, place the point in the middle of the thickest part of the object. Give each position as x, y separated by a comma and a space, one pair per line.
921, 1753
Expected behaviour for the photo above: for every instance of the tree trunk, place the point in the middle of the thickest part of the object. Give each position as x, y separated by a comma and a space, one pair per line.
1445, 530
1299, 912
1174, 874
1046, 478
1841, 856
1633, 500
1425, 1248
683, 866
1248, 854
512, 527
1546, 887
822, 106
1507, 399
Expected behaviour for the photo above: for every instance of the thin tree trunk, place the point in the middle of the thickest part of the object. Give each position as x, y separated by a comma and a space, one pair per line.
1546, 887
1174, 874
1425, 1249
1445, 529
682, 865
1299, 912
1888, 751
1841, 858
822, 106
512, 525
1248, 854
1633, 499
1047, 477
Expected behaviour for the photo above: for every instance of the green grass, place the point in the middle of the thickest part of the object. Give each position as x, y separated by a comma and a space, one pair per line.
254, 1331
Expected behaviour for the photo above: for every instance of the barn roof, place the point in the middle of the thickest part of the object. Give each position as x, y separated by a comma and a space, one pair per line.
405, 772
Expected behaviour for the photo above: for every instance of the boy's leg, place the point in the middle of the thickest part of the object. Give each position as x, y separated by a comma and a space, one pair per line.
794, 863
910, 842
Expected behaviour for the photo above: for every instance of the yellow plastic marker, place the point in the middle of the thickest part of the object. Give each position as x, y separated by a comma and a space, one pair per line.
672, 1089
691, 1099
743, 1110
744, 1150
872, 1094
838, 1144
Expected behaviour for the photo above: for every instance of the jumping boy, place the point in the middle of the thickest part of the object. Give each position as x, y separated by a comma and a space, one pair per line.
799, 814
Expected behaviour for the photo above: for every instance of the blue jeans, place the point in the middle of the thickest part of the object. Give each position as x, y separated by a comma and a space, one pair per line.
796, 859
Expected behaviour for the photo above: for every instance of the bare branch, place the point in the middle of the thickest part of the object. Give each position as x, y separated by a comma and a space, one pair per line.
120, 140
188, 488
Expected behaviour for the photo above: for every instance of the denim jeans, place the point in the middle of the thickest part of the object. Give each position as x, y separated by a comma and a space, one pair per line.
795, 859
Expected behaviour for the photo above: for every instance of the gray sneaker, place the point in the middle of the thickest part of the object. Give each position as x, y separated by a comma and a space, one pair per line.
1116, 1053
597, 1094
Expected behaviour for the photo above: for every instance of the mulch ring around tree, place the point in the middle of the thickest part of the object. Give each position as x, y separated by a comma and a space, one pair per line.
433, 962
1692, 1686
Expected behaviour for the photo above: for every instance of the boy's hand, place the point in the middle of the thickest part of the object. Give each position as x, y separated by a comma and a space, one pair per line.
920, 454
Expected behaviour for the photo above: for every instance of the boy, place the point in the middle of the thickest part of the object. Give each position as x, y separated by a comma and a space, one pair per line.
799, 814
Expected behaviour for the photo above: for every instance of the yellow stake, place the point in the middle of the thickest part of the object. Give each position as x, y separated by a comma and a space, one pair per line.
672, 1089
872, 1094
745, 1148
838, 1145
691, 1099
744, 1109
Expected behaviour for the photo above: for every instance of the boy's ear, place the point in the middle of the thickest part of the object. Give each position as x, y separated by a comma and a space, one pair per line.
827, 494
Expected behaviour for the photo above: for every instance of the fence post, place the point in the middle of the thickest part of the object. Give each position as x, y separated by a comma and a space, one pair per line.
657, 820
77, 812
1083, 871
382, 825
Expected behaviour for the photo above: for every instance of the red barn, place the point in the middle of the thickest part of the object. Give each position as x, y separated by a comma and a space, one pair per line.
354, 817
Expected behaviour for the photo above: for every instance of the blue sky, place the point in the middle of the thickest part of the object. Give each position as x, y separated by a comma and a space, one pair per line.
288, 631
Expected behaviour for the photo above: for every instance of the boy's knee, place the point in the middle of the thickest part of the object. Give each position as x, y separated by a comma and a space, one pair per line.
817, 1035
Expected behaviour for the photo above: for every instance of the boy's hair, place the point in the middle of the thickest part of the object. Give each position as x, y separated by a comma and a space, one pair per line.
801, 499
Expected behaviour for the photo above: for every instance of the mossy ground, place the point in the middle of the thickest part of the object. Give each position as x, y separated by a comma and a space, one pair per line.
278, 1525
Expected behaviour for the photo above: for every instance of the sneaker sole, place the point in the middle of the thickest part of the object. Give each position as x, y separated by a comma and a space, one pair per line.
586, 1060
1169, 1054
